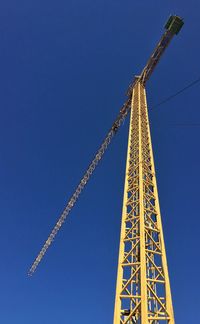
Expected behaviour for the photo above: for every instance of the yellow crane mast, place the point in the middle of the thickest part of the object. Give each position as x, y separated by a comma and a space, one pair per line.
143, 294
143, 290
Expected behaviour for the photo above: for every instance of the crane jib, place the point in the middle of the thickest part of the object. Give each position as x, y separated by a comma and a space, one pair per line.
172, 26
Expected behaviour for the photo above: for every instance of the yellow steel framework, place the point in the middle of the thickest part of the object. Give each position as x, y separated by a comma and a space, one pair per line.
173, 26
143, 289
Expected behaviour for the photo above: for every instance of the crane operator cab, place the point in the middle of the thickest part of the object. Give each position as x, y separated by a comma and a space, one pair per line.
174, 24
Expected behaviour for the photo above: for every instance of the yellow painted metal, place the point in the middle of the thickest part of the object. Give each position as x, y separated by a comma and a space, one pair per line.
172, 26
143, 289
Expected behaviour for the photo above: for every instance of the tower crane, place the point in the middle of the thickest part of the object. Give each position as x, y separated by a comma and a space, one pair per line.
143, 293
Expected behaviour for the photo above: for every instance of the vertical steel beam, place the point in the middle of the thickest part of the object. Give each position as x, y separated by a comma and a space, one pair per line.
117, 311
143, 270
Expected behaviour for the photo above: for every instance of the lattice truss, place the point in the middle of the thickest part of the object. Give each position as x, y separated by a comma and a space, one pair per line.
143, 289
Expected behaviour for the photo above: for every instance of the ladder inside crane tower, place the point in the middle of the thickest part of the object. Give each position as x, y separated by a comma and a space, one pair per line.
143, 289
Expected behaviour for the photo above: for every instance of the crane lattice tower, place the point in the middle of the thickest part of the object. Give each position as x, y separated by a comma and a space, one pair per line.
143, 294
143, 289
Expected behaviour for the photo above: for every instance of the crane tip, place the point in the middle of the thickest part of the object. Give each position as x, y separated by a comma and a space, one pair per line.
174, 24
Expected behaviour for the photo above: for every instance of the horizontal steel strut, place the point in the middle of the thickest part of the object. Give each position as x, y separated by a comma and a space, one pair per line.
173, 26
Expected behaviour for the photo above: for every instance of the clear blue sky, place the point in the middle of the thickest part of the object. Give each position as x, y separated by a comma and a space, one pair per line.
65, 67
